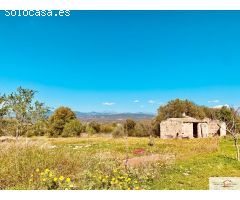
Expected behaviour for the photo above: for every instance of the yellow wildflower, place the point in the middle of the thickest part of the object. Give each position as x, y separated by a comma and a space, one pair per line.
47, 170
61, 178
37, 170
68, 180
55, 179
44, 180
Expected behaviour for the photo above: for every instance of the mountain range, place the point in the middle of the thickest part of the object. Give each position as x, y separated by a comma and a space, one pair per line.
112, 116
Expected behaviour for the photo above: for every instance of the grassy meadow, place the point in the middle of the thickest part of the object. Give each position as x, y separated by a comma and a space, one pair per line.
98, 163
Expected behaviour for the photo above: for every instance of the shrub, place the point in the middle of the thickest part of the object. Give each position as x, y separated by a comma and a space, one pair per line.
40, 128
95, 126
129, 125
106, 128
72, 128
90, 130
118, 131
142, 130
9, 126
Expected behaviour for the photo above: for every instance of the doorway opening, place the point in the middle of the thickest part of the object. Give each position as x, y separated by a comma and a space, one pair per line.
195, 130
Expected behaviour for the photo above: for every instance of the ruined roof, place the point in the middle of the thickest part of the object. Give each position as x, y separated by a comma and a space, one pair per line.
188, 119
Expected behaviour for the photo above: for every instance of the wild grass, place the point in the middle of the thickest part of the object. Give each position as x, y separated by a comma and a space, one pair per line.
194, 161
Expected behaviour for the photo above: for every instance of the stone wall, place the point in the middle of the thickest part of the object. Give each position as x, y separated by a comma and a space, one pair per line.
184, 128
187, 130
170, 129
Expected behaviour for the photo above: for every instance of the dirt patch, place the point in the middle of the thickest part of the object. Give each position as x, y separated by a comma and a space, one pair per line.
148, 159
7, 139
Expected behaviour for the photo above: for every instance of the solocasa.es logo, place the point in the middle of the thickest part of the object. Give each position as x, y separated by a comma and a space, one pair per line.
224, 183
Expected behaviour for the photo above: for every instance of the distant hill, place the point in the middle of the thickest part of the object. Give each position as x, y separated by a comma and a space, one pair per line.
110, 116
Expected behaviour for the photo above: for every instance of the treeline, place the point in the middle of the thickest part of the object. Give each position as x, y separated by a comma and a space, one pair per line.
21, 115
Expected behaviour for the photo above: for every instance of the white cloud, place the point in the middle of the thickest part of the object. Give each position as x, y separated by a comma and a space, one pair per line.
136, 101
151, 101
108, 103
220, 106
214, 101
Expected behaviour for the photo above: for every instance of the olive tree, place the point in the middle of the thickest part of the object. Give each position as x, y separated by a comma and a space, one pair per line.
232, 119
22, 107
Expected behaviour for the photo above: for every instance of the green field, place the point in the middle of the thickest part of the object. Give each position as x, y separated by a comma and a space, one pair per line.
97, 163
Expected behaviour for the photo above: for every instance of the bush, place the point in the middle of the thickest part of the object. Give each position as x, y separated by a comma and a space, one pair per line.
9, 127
129, 125
95, 126
40, 128
142, 130
106, 128
90, 130
73, 128
118, 131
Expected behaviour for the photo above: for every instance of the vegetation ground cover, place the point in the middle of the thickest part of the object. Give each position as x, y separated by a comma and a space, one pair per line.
95, 163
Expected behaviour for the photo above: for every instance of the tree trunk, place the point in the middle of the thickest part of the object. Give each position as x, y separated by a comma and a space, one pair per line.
17, 133
237, 148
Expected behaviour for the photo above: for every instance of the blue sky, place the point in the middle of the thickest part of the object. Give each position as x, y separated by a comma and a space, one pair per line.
123, 60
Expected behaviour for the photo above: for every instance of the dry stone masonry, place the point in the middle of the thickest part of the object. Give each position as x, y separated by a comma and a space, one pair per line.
188, 127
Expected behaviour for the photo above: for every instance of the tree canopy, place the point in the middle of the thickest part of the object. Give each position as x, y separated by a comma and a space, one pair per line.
176, 108
20, 105
59, 119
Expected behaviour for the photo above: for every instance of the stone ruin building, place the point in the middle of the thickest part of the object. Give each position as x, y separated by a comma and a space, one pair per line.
188, 127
